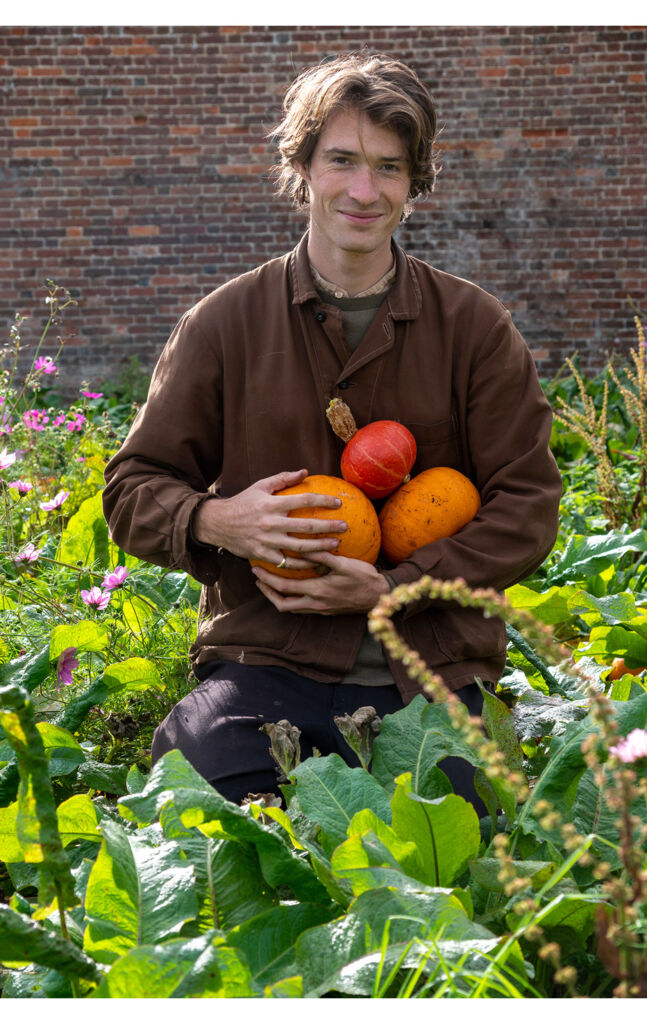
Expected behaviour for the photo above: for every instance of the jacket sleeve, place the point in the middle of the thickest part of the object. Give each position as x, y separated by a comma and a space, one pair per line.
170, 458
507, 424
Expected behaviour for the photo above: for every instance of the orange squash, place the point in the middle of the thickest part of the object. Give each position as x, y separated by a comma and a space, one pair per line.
619, 669
378, 457
434, 504
360, 540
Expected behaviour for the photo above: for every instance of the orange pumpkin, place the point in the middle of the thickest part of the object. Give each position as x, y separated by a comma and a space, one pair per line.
619, 669
434, 504
360, 540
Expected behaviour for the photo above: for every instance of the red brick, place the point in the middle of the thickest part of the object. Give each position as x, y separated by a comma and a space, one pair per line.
143, 230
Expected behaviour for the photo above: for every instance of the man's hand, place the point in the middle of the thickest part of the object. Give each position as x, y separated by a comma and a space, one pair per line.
349, 586
256, 524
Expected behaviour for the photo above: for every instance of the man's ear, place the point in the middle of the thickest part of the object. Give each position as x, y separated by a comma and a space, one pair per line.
303, 169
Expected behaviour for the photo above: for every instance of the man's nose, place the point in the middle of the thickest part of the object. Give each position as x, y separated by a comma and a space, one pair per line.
363, 186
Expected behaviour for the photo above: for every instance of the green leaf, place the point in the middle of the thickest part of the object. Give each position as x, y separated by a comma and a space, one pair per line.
36, 982
108, 778
200, 967
137, 614
499, 725
25, 941
28, 671
404, 744
77, 819
85, 537
550, 606
560, 779
85, 635
445, 831
583, 557
229, 885
131, 675
608, 642
485, 871
137, 894
343, 955
198, 804
268, 939
537, 714
63, 752
330, 793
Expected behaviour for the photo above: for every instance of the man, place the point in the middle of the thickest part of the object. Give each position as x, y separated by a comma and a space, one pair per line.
236, 412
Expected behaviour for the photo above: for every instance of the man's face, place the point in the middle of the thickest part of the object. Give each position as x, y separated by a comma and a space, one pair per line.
358, 179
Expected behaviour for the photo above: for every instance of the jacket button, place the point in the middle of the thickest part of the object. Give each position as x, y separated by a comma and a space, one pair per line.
343, 385
320, 316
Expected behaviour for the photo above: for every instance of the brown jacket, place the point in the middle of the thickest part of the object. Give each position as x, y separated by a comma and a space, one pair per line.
240, 393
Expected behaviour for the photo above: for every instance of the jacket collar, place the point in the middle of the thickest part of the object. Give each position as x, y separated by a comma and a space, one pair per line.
404, 297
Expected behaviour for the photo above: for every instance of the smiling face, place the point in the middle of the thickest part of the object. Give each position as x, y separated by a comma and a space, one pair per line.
358, 181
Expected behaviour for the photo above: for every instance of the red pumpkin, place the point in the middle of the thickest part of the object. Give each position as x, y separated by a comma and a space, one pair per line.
378, 457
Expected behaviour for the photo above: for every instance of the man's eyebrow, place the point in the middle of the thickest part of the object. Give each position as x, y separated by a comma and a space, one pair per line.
338, 151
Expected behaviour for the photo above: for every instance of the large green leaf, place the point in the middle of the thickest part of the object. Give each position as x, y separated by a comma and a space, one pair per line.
85, 635
27, 941
583, 557
229, 884
36, 982
201, 967
560, 779
131, 675
499, 725
85, 537
77, 819
550, 606
373, 844
404, 744
344, 955
608, 642
446, 831
198, 804
330, 793
268, 940
137, 894
415, 740
27, 671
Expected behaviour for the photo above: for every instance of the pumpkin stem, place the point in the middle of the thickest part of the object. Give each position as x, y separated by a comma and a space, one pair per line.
341, 419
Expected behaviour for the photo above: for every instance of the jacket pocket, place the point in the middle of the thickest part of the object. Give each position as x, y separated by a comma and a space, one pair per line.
464, 634
438, 443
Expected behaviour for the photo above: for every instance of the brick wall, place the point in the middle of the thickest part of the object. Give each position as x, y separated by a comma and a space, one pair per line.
133, 169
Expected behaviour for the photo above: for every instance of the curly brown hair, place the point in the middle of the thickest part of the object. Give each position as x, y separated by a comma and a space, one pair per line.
387, 90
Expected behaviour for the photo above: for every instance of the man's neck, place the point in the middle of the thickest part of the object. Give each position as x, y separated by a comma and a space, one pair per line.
354, 272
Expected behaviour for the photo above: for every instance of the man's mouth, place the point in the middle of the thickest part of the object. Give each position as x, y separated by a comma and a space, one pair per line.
360, 218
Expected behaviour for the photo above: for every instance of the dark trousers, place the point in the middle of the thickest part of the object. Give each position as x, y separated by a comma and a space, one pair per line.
216, 726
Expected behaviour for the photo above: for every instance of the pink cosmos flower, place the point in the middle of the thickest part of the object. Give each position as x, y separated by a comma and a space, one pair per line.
115, 578
7, 459
28, 554
92, 394
632, 747
59, 419
46, 364
96, 597
56, 502
66, 662
22, 486
76, 423
35, 419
